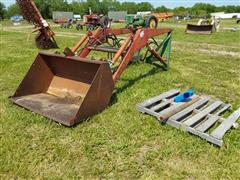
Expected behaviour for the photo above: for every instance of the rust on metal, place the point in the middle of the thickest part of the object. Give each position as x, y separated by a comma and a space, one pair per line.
45, 37
122, 49
83, 39
69, 88
156, 55
199, 29
65, 89
140, 40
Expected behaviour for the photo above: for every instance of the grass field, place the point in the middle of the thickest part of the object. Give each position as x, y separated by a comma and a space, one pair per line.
120, 142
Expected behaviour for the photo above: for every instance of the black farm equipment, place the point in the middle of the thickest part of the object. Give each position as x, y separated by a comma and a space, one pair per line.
203, 26
68, 25
93, 21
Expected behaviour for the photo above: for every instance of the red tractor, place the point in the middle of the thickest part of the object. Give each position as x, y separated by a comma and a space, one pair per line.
93, 21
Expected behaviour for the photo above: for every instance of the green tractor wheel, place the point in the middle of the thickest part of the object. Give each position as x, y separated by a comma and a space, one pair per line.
152, 22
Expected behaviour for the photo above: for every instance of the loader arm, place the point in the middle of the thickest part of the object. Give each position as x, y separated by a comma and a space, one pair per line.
136, 40
140, 40
98, 37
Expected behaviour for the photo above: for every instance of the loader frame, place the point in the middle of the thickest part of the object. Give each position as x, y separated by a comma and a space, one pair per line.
131, 45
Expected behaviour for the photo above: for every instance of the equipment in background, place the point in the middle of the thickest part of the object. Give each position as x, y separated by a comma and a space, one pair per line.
139, 21
16, 19
93, 21
200, 116
45, 38
117, 16
70, 87
76, 17
60, 17
68, 25
203, 26
60, 21
163, 16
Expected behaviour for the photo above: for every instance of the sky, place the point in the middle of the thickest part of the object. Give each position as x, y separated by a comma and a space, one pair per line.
167, 3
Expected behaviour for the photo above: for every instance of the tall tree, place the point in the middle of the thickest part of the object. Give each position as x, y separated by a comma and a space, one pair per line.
103, 6
237, 9
130, 7
231, 9
44, 7
114, 5
13, 10
59, 5
161, 9
94, 5
76, 7
202, 9
180, 10
109, 5
2, 10
145, 6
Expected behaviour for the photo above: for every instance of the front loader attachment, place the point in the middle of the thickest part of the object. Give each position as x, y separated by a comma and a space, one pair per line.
199, 29
65, 89
70, 88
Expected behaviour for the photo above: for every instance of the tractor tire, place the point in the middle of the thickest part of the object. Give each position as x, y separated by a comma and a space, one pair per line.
105, 22
90, 27
79, 27
152, 22
69, 26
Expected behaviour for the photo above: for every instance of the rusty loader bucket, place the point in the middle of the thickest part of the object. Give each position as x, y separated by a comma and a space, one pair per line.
199, 29
65, 89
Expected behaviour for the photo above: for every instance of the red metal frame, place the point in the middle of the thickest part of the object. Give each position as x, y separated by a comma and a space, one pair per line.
136, 40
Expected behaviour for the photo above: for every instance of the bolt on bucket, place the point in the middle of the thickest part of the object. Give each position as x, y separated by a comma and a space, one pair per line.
65, 89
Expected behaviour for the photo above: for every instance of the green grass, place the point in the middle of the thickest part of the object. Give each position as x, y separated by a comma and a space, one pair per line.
120, 142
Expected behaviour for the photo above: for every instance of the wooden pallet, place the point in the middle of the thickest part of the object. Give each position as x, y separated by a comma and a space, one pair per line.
200, 116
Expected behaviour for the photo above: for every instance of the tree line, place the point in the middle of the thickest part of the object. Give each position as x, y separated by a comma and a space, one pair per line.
46, 8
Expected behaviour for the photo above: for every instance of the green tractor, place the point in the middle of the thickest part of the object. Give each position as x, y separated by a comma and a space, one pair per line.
138, 21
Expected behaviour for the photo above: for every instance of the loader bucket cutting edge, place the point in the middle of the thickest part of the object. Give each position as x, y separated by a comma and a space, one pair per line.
65, 89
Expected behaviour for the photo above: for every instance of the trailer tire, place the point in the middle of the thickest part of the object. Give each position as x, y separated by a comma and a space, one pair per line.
105, 22
79, 27
90, 27
69, 26
152, 22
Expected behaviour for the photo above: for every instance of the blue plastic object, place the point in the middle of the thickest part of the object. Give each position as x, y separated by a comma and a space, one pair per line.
16, 18
184, 96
